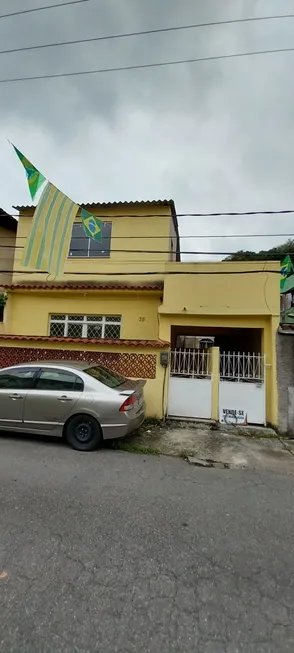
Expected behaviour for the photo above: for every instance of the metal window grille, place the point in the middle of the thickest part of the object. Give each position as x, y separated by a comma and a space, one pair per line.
191, 363
85, 326
238, 366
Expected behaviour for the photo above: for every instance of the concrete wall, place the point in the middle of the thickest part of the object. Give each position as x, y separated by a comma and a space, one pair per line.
30, 310
226, 288
285, 371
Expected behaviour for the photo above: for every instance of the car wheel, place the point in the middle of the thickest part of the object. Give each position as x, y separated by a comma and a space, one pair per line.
83, 433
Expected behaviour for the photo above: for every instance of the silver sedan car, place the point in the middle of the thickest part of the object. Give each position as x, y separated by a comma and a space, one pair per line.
84, 403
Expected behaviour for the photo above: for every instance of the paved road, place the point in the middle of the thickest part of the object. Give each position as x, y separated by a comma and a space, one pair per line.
116, 553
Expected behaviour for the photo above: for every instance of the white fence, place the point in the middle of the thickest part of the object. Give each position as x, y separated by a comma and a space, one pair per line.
242, 388
191, 363
242, 367
190, 384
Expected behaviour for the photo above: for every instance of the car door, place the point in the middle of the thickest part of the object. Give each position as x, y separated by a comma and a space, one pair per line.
15, 383
51, 400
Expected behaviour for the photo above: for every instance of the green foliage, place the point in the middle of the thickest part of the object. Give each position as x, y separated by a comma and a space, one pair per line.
277, 253
135, 448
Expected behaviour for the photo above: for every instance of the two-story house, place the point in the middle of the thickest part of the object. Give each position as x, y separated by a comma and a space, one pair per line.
131, 304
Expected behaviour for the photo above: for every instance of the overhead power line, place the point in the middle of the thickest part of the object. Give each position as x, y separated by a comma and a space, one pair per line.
154, 273
144, 33
234, 213
207, 236
29, 11
181, 215
160, 64
267, 255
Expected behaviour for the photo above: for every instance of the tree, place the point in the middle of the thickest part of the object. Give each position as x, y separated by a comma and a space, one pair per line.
275, 253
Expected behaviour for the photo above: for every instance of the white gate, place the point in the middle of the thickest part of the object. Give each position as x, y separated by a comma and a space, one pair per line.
242, 388
190, 384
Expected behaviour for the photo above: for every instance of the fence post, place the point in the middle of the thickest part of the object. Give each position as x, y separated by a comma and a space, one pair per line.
215, 362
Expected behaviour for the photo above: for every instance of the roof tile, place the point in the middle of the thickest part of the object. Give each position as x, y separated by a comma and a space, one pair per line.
92, 341
84, 286
163, 202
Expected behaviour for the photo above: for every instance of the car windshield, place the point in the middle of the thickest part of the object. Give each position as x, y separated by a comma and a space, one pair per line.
108, 377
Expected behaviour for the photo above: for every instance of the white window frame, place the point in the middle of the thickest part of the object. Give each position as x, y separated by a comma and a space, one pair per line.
105, 321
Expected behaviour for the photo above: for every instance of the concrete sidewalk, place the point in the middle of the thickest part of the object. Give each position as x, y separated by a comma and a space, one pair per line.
208, 443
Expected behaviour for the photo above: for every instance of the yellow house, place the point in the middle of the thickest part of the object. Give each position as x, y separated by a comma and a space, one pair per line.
201, 334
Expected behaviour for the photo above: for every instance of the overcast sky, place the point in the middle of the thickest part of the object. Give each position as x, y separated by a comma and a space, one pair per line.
213, 136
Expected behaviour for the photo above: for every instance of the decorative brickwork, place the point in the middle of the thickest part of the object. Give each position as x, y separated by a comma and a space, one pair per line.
142, 366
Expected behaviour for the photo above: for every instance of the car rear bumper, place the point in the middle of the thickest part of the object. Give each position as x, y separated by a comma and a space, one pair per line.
113, 431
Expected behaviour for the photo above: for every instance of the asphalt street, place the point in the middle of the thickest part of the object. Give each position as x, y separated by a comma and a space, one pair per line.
113, 552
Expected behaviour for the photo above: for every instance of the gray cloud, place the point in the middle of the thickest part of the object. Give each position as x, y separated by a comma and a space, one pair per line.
215, 136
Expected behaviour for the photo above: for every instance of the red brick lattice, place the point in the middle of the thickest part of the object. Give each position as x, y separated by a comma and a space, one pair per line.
142, 366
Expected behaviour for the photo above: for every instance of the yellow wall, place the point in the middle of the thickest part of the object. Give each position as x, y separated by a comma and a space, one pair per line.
30, 310
222, 288
142, 230
7, 244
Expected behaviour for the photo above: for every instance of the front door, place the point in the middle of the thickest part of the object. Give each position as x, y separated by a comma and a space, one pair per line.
15, 383
53, 397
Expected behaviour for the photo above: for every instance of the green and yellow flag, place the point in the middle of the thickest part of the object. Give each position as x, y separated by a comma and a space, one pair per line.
34, 177
48, 243
286, 268
92, 226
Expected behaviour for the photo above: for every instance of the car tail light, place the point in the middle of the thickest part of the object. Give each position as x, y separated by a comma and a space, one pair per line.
128, 404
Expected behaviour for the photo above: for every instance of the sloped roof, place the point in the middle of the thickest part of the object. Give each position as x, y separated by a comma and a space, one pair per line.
90, 341
109, 204
66, 285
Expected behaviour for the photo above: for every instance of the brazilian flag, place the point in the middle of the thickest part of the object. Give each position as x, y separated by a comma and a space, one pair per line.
286, 266
92, 226
34, 177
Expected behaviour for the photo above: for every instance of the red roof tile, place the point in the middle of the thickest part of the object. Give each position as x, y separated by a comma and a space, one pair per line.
84, 286
92, 341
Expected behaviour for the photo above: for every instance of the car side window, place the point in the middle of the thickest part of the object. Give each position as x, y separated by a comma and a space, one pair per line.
17, 379
59, 380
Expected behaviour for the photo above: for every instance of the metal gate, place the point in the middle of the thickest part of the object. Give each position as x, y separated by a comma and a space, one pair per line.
242, 388
190, 384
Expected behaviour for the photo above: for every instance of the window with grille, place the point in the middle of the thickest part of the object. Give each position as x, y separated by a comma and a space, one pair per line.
83, 247
85, 326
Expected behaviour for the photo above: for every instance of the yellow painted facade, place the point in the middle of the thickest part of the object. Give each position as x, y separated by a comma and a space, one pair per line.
7, 252
31, 310
208, 296
133, 229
